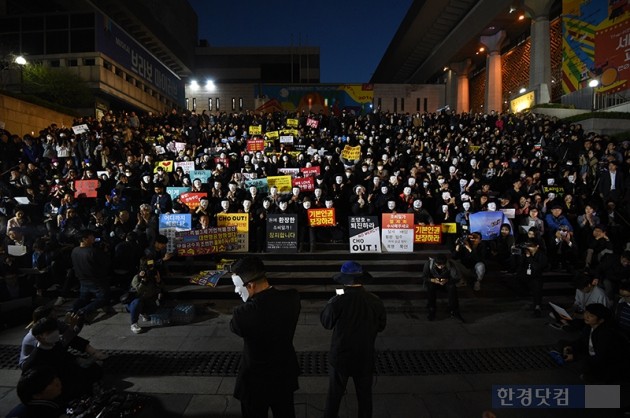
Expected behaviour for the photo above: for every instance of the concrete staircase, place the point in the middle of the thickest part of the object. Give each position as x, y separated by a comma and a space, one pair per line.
396, 275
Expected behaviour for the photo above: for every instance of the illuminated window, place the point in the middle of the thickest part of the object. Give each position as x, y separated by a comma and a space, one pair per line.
210, 104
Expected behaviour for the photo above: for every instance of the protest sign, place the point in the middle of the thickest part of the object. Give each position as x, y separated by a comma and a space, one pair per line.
85, 188
310, 171
351, 153
312, 123
167, 165
427, 234
207, 241
202, 175
254, 145
79, 129
292, 123
283, 183
487, 223
364, 234
289, 171
259, 184
398, 232
241, 222
187, 166
255, 129
170, 224
282, 233
306, 184
174, 192
191, 199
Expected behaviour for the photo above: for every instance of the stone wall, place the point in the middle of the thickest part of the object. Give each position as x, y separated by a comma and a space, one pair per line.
22, 118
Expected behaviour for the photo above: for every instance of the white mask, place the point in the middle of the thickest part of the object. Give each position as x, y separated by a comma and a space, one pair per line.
146, 179
338, 179
417, 204
444, 208
318, 193
203, 203
455, 161
364, 169
407, 191
384, 190
411, 181
425, 184
391, 205
466, 206
283, 205
225, 205
306, 205
197, 183
462, 183
492, 207
550, 182
393, 179
232, 187
295, 191
253, 190
571, 179
266, 204
239, 287
247, 204
329, 204
440, 181
452, 170
446, 195
473, 163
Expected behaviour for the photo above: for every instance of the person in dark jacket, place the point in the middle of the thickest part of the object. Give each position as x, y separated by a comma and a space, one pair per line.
439, 275
601, 348
269, 370
530, 271
355, 316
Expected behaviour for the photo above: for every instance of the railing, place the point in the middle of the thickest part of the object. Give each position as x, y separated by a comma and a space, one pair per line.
603, 101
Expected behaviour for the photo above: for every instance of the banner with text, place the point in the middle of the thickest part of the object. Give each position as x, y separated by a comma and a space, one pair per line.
364, 234
241, 222
207, 241
170, 224
427, 234
282, 233
398, 232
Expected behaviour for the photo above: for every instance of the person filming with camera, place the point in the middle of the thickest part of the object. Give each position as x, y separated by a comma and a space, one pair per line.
532, 265
470, 259
147, 286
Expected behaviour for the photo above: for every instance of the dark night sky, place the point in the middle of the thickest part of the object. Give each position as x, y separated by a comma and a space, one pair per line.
352, 35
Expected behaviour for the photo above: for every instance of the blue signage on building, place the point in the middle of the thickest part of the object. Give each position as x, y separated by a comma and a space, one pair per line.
114, 42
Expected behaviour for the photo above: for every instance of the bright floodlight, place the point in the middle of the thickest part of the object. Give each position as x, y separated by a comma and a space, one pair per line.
210, 85
194, 85
20, 60
522, 90
593, 83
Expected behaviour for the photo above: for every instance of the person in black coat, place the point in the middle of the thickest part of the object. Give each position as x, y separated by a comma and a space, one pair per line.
269, 370
601, 348
355, 316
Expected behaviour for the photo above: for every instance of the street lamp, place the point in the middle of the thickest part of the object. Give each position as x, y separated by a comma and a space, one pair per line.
21, 61
593, 84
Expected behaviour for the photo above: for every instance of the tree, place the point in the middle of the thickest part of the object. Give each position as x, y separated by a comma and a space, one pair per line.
57, 85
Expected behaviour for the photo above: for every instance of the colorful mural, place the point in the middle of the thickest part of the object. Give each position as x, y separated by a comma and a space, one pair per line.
595, 44
317, 98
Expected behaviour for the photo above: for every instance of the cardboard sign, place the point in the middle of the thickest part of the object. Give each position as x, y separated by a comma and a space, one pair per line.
202, 175
254, 145
283, 183
351, 153
241, 222
85, 188
306, 184
398, 232
208, 278
321, 217
289, 171
282, 231
170, 224
191, 199
364, 234
187, 166
167, 165
312, 123
79, 129
310, 171
427, 234
255, 129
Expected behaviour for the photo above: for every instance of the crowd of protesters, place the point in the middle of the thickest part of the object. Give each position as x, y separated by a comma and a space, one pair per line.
565, 190
568, 188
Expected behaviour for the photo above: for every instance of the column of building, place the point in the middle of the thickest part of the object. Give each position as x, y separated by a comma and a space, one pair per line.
540, 54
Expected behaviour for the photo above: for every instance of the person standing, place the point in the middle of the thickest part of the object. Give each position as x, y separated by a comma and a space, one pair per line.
90, 265
355, 316
531, 270
269, 370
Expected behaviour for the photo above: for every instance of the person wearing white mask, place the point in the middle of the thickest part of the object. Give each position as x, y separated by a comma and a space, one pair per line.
306, 234
268, 374
420, 215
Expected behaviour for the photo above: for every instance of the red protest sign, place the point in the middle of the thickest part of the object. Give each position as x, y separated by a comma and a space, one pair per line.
191, 199
224, 161
310, 171
306, 184
254, 145
312, 123
85, 188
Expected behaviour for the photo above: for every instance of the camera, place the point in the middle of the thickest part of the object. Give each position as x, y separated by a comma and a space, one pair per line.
518, 249
462, 240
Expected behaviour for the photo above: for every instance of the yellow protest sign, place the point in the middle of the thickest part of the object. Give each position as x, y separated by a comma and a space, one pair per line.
255, 129
292, 123
272, 134
166, 165
473, 148
351, 153
449, 228
283, 183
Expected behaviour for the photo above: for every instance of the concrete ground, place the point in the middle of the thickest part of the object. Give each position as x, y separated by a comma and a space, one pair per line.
490, 323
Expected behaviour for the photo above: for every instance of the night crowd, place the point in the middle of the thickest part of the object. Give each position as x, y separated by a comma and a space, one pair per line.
566, 193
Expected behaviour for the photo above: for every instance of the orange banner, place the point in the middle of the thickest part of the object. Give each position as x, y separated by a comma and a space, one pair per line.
321, 217
425, 234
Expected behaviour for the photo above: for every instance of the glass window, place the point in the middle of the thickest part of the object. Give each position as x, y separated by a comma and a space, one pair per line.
194, 104
57, 22
218, 104
82, 41
57, 42
240, 103
210, 104
33, 43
